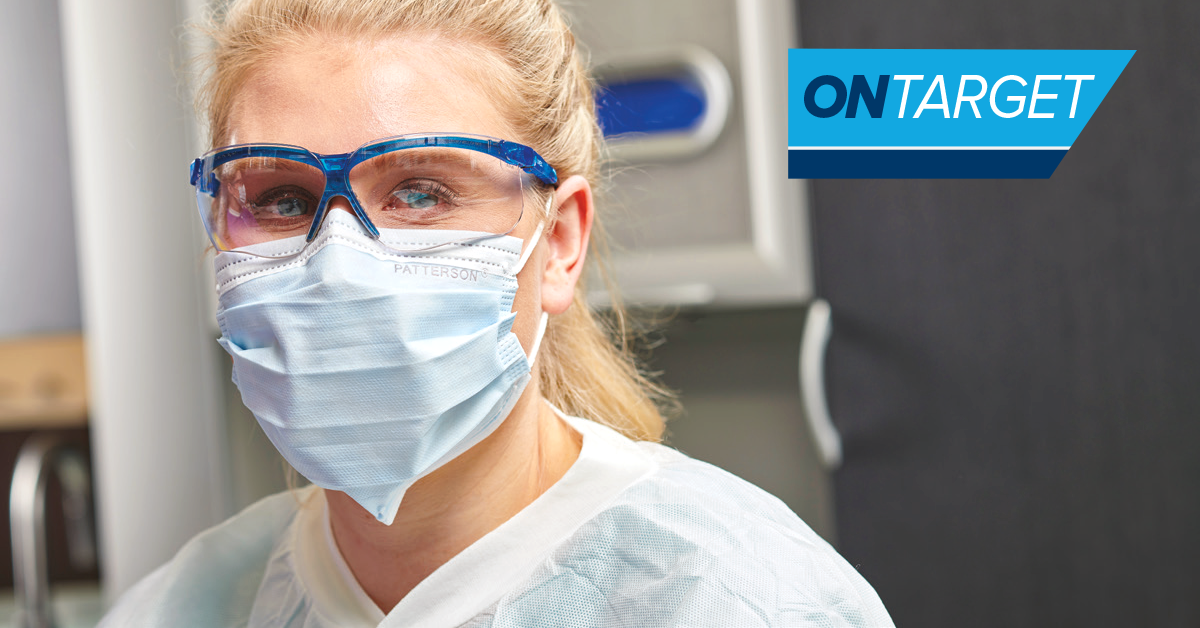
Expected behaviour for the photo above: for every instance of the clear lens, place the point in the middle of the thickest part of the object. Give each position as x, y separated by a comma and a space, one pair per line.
439, 188
262, 199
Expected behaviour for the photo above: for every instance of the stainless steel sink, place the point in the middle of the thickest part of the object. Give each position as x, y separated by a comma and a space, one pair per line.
32, 605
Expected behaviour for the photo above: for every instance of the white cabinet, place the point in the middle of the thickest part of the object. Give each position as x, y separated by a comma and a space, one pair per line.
720, 225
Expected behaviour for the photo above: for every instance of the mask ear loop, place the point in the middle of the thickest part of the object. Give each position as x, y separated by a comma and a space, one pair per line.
541, 332
534, 240
529, 249
537, 340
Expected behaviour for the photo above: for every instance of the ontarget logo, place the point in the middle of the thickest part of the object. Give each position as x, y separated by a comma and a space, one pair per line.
941, 114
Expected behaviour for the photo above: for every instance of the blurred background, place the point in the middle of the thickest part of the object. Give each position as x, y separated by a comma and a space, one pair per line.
1000, 431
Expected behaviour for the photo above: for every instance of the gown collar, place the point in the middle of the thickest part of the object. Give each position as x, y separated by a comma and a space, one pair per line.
466, 585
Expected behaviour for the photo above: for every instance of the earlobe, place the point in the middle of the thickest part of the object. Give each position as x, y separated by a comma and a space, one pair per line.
567, 242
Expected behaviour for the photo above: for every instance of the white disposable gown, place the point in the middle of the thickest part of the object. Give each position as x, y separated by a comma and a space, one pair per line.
634, 534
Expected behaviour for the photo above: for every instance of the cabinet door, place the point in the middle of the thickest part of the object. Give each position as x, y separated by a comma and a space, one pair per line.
719, 223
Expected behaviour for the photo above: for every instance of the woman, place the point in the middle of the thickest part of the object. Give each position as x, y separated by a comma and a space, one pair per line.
402, 209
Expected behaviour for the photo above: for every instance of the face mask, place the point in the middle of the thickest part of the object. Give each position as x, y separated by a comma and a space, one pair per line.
369, 368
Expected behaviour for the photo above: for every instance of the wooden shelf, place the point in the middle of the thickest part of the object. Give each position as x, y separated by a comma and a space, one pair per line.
43, 382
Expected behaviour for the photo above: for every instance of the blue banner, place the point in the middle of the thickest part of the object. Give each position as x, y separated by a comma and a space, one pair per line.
941, 113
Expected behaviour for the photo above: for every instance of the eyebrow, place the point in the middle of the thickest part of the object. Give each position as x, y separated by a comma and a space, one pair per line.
271, 163
422, 155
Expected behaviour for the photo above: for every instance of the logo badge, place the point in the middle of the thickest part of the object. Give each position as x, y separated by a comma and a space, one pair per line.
941, 114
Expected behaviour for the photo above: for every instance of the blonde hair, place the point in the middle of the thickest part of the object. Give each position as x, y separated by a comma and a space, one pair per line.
587, 366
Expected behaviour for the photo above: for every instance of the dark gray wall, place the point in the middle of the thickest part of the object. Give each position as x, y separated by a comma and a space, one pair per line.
1015, 365
737, 373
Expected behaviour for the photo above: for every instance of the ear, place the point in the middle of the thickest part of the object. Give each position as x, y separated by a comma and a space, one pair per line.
567, 242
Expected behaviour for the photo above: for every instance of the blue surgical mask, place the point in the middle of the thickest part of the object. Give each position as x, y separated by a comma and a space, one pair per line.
369, 368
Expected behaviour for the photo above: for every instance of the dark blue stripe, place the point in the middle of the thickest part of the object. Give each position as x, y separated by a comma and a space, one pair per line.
650, 106
923, 164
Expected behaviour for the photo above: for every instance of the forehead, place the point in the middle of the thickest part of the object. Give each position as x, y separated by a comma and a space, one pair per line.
331, 94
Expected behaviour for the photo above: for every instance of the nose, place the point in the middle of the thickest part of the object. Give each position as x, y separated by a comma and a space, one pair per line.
341, 201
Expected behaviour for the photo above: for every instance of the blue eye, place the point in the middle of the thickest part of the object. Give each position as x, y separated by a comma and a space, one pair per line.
284, 202
416, 199
289, 207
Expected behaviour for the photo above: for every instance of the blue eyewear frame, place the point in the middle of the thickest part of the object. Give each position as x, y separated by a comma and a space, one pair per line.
336, 167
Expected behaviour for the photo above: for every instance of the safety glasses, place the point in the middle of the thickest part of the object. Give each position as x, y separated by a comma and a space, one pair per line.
254, 193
